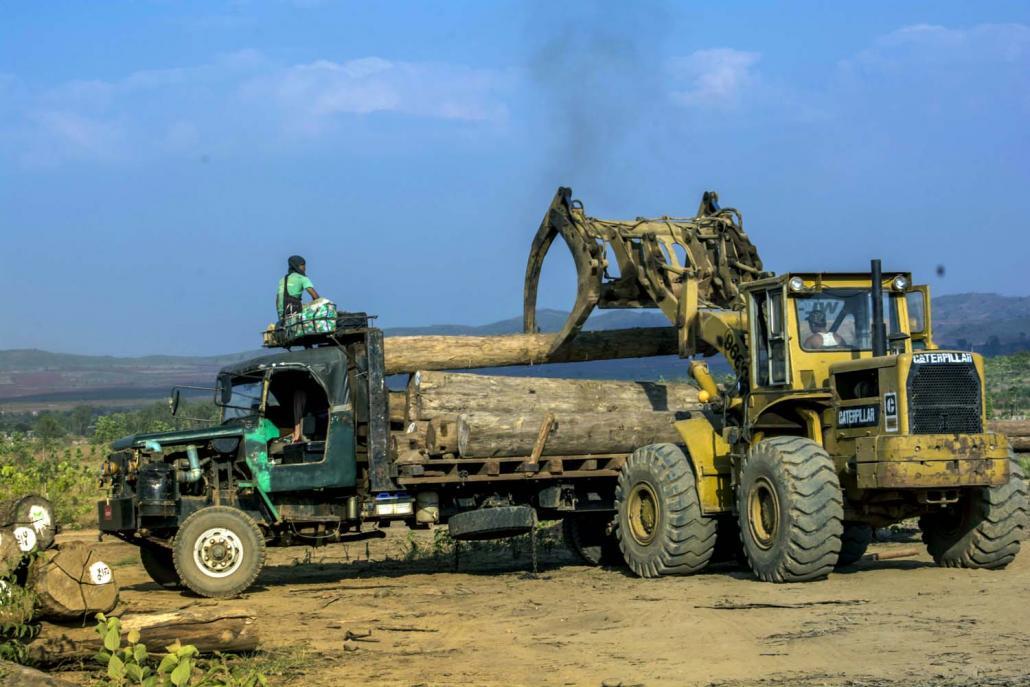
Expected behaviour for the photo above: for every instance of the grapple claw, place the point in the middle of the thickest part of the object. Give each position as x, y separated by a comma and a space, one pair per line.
656, 260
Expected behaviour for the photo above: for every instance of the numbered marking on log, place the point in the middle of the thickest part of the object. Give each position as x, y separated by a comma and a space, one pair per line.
99, 573
40, 518
26, 538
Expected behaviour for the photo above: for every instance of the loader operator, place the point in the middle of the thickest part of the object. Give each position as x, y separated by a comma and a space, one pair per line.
820, 338
292, 287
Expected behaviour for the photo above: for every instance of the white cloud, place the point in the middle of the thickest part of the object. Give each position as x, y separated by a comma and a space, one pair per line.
715, 78
235, 100
310, 95
930, 45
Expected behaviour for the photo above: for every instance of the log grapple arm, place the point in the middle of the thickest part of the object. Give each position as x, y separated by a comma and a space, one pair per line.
675, 264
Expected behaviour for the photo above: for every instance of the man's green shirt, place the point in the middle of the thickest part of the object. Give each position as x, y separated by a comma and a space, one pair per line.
296, 284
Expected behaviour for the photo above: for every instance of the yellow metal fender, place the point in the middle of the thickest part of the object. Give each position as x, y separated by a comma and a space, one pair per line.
709, 455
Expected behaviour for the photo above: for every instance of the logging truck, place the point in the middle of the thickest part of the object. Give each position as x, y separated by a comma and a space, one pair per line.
843, 415
203, 504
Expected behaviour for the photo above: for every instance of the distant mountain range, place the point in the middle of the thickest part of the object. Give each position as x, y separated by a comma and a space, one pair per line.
29, 378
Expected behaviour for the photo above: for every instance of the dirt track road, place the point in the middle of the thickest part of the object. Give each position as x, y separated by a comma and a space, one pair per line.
896, 622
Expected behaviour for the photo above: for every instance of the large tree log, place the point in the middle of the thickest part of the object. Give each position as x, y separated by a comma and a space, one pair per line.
434, 394
72, 582
1017, 431
227, 630
406, 354
482, 435
31, 511
14, 675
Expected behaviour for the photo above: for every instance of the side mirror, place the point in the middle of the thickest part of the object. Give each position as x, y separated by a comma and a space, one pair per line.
224, 390
173, 401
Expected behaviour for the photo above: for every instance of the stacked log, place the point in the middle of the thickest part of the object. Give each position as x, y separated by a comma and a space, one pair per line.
434, 394
1017, 431
72, 582
491, 436
30, 512
408, 354
463, 415
39, 580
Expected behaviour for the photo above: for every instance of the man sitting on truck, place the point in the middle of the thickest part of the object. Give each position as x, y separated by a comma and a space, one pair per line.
292, 287
820, 338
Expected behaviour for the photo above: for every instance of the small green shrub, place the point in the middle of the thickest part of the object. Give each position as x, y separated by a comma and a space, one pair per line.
131, 664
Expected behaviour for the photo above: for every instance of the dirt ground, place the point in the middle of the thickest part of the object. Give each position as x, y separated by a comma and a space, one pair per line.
891, 622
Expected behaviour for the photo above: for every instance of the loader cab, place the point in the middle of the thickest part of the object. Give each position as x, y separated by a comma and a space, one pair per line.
802, 323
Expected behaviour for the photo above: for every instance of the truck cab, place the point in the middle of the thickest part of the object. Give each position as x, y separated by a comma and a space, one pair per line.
202, 503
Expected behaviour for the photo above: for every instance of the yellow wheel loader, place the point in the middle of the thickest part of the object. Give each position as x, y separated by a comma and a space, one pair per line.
843, 416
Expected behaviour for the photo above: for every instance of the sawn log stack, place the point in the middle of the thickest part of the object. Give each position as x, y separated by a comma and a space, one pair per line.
455, 414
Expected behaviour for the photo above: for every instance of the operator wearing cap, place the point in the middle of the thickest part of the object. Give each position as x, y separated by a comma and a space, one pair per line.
820, 338
292, 287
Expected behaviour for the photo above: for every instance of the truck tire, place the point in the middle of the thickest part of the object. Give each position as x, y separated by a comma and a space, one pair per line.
659, 524
157, 561
853, 543
984, 529
586, 536
218, 552
492, 523
790, 509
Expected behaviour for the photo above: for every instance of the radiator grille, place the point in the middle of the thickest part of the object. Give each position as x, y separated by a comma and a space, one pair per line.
944, 399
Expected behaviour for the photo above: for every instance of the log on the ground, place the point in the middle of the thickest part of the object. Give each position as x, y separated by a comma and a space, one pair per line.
72, 582
434, 394
406, 354
11, 550
442, 435
226, 630
32, 511
14, 675
482, 435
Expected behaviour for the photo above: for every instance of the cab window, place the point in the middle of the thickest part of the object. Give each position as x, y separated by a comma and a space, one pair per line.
769, 332
841, 319
916, 312
295, 396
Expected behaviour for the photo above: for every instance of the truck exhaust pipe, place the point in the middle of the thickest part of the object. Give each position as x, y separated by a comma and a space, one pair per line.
879, 334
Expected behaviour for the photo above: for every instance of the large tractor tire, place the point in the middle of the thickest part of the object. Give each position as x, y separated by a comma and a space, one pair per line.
790, 509
853, 543
218, 552
587, 536
984, 529
157, 561
659, 524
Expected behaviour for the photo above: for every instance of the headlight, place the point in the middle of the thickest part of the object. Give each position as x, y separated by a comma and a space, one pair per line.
796, 284
899, 283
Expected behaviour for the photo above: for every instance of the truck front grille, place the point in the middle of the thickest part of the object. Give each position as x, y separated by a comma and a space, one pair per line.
944, 398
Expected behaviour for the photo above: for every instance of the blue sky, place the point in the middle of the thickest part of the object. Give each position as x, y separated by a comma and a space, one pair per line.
160, 160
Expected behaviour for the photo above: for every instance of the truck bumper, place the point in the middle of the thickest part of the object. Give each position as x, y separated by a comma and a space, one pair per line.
932, 461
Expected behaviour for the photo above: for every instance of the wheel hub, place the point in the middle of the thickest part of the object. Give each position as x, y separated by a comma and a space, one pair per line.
763, 513
218, 552
644, 513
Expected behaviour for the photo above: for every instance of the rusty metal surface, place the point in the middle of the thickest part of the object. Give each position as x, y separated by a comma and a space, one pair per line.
468, 470
932, 461
655, 259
